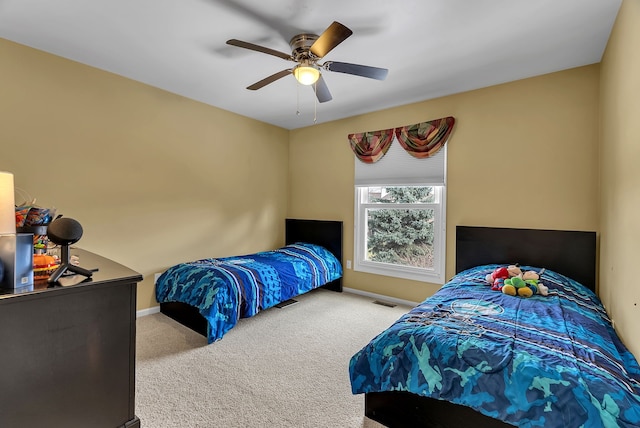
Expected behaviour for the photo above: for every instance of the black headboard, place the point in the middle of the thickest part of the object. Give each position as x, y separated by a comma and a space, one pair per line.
571, 253
327, 233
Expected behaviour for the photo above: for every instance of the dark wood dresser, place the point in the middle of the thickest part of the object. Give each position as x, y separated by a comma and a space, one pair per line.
67, 353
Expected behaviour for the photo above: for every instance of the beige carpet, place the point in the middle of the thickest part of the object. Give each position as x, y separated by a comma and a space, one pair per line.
282, 368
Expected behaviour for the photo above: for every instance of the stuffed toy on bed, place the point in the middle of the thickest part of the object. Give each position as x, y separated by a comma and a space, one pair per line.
499, 275
512, 281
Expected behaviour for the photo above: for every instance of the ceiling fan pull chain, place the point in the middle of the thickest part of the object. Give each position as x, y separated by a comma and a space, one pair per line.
315, 103
297, 99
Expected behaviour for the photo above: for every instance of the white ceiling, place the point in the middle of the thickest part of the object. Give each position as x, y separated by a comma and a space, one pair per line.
432, 48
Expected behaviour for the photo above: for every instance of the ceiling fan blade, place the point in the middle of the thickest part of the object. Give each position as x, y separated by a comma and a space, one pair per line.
335, 34
322, 90
258, 48
356, 69
270, 79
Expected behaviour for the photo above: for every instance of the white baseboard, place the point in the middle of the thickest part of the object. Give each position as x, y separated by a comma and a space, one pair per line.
148, 311
380, 297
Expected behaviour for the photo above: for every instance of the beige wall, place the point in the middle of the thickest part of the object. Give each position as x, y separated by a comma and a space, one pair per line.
523, 154
620, 183
156, 179
153, 178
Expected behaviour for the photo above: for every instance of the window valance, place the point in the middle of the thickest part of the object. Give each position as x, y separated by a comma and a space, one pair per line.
420, 140
425, 139
369, 147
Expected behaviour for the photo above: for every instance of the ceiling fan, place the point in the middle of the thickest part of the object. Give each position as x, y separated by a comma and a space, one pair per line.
307, 50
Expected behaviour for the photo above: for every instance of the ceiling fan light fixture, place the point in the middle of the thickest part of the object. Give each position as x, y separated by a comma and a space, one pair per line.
306, 75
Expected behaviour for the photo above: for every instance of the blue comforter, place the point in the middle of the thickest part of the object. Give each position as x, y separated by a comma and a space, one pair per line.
552, 361
230, 288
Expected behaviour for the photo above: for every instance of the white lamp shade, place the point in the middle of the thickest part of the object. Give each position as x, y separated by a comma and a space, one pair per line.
306, 75
7, 204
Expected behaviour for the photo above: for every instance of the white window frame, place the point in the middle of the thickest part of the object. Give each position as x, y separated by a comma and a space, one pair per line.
361, 264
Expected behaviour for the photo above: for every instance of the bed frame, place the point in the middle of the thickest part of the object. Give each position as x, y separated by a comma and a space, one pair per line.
572, 253
321, 232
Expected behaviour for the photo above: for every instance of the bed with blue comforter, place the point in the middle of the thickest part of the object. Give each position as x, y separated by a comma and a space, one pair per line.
226, 289
543, 361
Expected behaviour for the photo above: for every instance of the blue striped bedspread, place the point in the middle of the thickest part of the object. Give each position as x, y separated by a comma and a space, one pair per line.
227, 289
543, 361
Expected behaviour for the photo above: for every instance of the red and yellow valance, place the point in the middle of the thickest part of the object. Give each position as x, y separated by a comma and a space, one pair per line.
420, 140
369, 147
425, 139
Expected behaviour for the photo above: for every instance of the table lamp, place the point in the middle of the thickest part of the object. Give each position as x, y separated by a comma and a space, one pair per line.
16, 250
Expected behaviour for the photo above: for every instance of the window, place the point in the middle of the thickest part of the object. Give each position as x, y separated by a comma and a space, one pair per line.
400, 231
400, 205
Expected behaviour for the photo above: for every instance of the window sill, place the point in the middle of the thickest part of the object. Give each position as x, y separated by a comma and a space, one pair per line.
414, 274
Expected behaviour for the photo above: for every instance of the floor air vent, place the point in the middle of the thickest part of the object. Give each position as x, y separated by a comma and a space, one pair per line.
286, 303
387, 304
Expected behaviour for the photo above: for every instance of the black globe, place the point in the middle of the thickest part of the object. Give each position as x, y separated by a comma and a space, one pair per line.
64, 231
